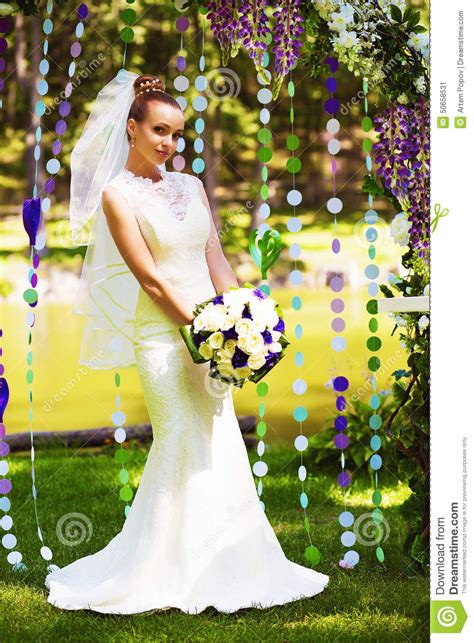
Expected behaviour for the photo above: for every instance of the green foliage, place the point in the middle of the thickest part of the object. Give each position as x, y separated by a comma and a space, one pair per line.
408, 426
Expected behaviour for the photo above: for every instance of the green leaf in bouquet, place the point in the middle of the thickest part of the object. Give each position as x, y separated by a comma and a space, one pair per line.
186, 334
215, 374
283, 341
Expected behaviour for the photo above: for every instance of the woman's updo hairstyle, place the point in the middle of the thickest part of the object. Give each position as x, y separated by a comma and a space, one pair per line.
148, 88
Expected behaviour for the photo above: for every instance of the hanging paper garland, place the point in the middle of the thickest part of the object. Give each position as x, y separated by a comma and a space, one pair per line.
338, 343
299, 386
31, 222
181, 82
122, 455
127, 34
374, 342
32, 209
53, 165
200, 104
9, 540
4, 27
264, 155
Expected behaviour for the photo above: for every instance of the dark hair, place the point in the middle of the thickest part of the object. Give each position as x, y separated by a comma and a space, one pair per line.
138, 108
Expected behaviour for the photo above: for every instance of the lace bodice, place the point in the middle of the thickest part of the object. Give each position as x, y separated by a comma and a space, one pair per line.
175, 224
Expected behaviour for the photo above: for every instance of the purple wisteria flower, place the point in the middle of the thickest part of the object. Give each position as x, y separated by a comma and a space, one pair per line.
289, 26
224, 19
253, 28
402, 158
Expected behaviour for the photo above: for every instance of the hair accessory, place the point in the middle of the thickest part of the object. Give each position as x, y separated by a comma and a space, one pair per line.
149, 86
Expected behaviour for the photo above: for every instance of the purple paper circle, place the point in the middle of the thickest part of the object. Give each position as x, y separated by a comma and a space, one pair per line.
337, 306
332, 63
340, 423
336, 246
182, 23
3, 64
332, 105
4, 25
343, 479
4, 449
336, 284
49, 186
57, 146
341, 441
341, 403
331, 84
82, 11
64, 108
179, 163
2, 369
61, 127
341, 383
3, 45
338, 325
76, 49
34, 280
36, 260
180, 63
5, 486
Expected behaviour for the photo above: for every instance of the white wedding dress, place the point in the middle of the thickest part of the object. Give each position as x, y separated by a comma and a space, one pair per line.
196, 534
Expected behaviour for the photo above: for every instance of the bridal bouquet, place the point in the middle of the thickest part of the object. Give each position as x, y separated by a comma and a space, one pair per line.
240, 332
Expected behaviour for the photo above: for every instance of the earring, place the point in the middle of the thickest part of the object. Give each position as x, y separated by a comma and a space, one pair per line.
133, 142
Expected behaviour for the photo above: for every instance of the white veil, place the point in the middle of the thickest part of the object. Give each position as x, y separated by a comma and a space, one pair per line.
108, 290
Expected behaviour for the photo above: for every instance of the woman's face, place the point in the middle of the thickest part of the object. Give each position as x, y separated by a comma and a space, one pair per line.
156, 138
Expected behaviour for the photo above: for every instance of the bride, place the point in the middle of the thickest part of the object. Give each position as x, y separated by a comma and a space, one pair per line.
196, 534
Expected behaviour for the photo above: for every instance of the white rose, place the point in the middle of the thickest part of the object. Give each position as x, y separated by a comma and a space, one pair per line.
399, 229
400, 321
242, 371
423, 322
275, 334
251, 343
275, 347
216, 340
244, 326
216, 317
205, 350
256, 361
229, 346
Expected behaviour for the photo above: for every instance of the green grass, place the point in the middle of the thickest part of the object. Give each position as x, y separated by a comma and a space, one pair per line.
372, 602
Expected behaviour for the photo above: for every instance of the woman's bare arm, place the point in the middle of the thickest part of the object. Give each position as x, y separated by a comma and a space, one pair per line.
128, 238
221, 272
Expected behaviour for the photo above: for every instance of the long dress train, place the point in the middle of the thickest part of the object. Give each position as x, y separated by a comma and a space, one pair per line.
196, 534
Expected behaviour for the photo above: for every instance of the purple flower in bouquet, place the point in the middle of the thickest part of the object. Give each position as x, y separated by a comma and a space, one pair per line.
260, 294
267, 337
246, 312
253, 28
280, 326
286, 38
239, 358
218, 300
402, 158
